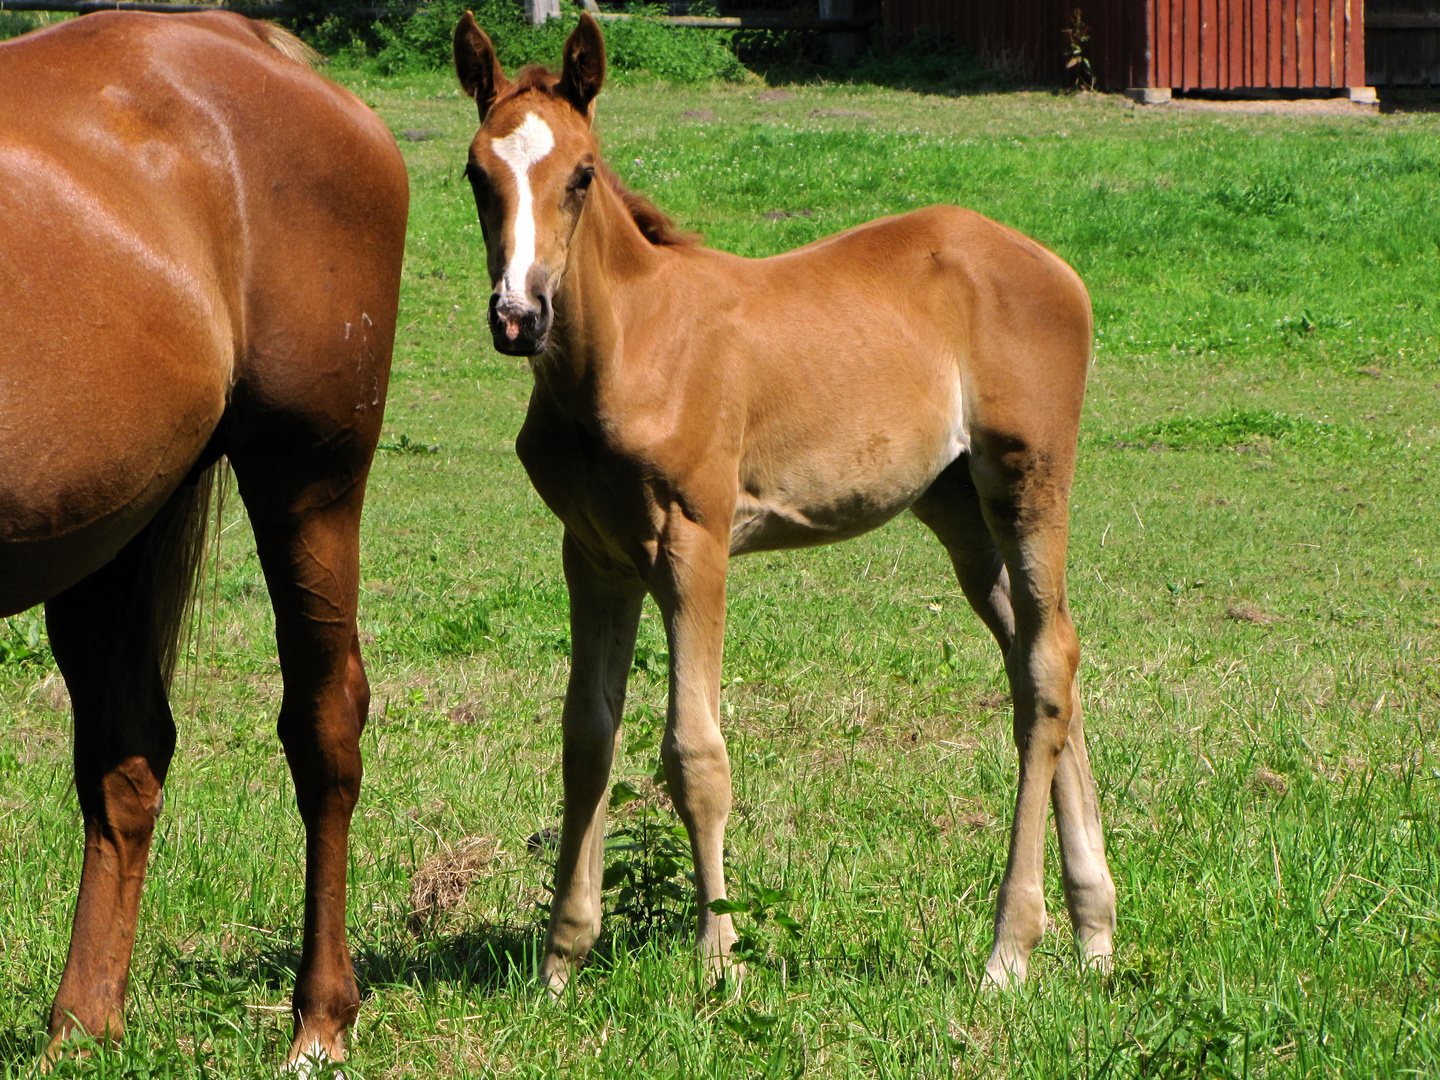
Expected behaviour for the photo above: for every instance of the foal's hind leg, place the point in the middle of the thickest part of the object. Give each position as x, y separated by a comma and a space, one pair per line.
308, 538
1039, 668
604, 617
124, 738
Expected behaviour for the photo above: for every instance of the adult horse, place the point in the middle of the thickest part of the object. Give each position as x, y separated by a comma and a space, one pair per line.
690, 405
200, 257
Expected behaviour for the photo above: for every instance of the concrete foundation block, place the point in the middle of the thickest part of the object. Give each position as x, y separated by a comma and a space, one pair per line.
1149, 95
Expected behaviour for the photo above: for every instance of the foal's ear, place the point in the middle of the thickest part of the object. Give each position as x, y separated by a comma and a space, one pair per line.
475, 63
584, 70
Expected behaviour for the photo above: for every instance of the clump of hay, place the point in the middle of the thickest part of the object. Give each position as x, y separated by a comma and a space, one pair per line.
1243, 612
439, 886
1269, 783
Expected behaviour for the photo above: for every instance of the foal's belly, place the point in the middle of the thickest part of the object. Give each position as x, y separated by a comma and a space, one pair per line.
838, 492
775, 524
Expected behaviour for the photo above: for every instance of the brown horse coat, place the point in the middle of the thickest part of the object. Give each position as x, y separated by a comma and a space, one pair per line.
690, 405
200, 247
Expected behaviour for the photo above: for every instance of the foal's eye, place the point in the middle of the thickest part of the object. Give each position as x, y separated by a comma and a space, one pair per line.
478, 181
583, 176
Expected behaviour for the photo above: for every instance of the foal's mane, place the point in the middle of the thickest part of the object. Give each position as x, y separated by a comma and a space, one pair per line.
654, 224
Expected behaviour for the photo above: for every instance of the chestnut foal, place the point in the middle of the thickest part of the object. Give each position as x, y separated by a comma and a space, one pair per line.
200, 257
690, 405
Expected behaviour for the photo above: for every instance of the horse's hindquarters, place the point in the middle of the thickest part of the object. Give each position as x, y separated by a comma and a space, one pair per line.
205, 239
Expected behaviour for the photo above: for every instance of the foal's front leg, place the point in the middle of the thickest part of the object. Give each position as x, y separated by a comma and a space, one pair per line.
604, 616
689, 586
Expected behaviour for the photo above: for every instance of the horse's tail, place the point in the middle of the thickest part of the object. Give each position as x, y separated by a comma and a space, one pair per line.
288, 45
170, 562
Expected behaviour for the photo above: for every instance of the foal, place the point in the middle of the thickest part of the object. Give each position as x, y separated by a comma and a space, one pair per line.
690, 405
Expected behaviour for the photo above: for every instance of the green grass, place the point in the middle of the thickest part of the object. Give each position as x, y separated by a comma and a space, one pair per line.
1253, 571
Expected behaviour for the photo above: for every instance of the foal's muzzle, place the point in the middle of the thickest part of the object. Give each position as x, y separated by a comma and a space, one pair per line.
520, 329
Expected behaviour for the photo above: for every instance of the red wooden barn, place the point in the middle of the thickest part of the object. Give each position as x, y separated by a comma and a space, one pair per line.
1155, 46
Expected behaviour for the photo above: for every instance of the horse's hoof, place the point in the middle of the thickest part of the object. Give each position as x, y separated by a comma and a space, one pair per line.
70, 1043
554, 977
312, 1063
1004, 974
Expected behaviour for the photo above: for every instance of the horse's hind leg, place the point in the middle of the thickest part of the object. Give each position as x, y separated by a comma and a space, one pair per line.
306, 518
1025, 529
951, 509
101, 632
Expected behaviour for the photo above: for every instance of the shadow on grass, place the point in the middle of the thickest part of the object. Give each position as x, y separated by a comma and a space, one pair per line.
19, 1046
485, 960
929, 64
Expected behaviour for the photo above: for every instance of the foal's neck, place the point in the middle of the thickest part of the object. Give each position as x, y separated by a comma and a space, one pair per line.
608, 257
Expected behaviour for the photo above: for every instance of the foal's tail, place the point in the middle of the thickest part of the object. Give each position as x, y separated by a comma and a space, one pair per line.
172, 553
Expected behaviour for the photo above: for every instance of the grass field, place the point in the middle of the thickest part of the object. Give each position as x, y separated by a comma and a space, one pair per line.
1254, 571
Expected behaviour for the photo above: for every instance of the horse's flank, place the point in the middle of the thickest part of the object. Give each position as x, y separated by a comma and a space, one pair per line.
128, 190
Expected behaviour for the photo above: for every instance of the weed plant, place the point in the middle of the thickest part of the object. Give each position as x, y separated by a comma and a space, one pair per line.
15, 23
1253, 571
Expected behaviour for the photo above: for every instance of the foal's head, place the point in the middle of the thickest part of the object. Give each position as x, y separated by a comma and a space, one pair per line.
530, 165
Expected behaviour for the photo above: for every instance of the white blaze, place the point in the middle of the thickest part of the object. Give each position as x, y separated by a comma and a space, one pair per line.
522, 148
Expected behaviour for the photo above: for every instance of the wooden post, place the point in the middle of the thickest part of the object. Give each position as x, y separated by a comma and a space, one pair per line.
842, 44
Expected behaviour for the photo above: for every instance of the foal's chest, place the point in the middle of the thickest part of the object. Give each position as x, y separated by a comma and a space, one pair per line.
601, 496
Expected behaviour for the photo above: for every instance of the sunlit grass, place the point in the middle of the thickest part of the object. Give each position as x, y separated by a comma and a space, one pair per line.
1253, 569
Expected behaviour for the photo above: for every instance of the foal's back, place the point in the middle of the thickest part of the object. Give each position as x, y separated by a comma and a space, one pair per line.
847, 374
167, 185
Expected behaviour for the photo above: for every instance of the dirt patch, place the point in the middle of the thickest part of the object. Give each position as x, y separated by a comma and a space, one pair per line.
774, 95
994, 701
420, 134
466, 713
698, 114
863, 114
1276, 106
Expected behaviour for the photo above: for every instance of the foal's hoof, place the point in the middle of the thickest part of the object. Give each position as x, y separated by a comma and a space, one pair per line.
1102, 964
724, 974
554, 976
1004, 973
